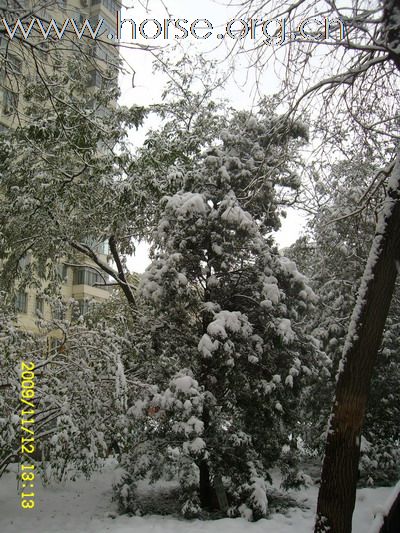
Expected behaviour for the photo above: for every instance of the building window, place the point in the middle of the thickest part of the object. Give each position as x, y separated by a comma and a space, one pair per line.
58, 310
103, 53
98, 247
21, 302
39, 305
97, 21
62, 273
86, 276
102, 248
111, 5
83, 306
81, 19
10, 101
96, 79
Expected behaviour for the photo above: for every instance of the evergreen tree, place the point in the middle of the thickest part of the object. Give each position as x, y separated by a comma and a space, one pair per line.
224, 351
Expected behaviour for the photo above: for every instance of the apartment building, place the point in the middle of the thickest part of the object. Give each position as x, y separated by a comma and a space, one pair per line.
80, 280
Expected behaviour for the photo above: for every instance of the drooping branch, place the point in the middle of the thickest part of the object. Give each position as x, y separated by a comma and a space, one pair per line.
119, 276
121, 273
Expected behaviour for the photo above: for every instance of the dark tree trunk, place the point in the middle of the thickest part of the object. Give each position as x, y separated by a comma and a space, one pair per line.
391, 522
206, 493
337, 493
207, 498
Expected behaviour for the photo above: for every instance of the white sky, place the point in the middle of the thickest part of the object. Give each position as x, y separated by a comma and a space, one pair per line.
149, 86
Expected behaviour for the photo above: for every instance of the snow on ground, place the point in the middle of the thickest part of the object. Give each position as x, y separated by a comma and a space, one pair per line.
86, 507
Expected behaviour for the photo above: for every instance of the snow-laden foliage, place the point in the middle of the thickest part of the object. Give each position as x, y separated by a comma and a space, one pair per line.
80, 393
191, 120
219, 333
12, 344
63, 170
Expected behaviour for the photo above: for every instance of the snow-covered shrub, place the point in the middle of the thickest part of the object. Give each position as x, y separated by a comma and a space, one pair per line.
379, 462
79, 393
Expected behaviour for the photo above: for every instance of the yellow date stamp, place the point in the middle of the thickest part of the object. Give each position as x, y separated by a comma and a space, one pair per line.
27, 419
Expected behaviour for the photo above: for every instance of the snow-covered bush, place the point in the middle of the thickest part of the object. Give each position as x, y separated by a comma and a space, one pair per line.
79, 393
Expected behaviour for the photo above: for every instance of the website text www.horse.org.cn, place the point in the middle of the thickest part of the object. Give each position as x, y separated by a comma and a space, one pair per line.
270, 31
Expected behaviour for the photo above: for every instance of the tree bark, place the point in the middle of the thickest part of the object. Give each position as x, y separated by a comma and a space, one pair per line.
391, 522
337, 493
206, 493
206, 489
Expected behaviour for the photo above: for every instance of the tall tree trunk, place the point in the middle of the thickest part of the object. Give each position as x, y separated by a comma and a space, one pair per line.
337, 493
207, 499
206, 490
391, 522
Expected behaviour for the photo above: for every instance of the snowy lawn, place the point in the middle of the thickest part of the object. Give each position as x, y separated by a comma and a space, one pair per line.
86, 507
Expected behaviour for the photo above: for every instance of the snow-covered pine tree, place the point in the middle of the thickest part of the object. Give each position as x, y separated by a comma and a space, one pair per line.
223, 309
